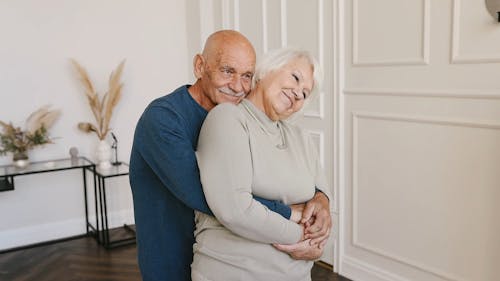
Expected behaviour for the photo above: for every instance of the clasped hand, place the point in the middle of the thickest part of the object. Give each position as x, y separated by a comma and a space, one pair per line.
315, 218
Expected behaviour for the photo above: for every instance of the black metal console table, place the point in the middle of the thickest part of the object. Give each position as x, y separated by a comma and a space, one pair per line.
102, 226
9, 172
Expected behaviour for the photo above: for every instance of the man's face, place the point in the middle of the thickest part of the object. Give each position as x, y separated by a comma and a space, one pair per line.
228, 74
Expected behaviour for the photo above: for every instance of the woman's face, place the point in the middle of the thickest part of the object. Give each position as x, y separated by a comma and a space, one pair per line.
285, 89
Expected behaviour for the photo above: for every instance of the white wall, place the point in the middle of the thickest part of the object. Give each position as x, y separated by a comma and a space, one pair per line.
422, 141
37, 39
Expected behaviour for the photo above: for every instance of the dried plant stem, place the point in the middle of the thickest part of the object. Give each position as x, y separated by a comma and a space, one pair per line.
102, 109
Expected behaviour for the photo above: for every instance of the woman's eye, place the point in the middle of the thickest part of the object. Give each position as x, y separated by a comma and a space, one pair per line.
295, 77
304, 94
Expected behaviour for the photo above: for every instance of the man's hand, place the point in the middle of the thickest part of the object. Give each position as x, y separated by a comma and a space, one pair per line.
302, 250
297, 210
316, 218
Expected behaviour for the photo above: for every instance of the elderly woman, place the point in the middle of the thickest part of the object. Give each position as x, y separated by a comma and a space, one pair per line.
248, 149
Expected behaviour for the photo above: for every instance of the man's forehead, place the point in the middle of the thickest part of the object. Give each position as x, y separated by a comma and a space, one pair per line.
241, 63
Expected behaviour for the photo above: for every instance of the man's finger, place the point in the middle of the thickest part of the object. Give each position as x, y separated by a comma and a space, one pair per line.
320, 226
307, 212
321, 239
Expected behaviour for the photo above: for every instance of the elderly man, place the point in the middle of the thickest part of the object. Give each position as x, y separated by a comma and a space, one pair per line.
164, 174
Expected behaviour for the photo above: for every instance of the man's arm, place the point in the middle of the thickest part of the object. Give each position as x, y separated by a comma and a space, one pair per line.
168, 151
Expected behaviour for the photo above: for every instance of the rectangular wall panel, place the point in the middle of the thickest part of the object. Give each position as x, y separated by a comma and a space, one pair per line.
411, 176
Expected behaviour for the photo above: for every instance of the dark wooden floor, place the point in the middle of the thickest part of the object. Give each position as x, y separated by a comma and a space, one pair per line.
83, 260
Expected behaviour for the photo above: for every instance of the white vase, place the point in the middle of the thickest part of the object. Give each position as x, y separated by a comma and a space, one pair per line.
21, 160
104, 155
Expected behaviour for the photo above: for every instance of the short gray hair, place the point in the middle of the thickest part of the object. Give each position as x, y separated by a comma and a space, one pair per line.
278, 58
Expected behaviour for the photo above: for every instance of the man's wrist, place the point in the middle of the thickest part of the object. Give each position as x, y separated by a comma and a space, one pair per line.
319, 192
321, 196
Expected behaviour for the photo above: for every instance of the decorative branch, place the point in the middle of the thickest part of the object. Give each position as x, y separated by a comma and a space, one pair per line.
15, 140
102, 109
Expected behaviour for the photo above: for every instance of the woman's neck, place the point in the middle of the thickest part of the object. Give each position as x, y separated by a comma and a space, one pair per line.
256, 96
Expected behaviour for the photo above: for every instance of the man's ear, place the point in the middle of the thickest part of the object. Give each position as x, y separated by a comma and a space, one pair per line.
198, 66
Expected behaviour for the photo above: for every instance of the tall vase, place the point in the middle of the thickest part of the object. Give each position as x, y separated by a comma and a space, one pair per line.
104, 155
21, 160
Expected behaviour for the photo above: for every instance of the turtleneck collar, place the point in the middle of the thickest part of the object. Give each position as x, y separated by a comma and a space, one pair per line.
264, 121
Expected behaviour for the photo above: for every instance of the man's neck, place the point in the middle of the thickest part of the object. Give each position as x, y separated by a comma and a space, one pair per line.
196, 91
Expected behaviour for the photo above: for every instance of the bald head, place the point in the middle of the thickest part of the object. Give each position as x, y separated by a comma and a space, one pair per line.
219, 42
224, 69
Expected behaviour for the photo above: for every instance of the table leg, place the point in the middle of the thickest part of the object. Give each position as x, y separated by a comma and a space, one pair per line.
106, 227
86, 201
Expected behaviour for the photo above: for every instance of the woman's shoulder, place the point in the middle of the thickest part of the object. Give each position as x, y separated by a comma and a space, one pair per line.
225, 110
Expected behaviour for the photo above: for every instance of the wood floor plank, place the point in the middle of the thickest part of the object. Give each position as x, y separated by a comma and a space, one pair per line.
83, 259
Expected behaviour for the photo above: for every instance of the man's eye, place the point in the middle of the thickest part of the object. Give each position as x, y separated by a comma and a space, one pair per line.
295, 77
227, 71
247, 76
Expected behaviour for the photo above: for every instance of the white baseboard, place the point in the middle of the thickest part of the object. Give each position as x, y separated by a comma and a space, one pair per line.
56, 230
357, 270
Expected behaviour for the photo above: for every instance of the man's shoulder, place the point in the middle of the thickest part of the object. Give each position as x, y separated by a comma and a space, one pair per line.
175, 98
167, 107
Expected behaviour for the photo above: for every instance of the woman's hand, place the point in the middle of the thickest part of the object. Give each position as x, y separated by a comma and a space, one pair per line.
297, 210
302, 250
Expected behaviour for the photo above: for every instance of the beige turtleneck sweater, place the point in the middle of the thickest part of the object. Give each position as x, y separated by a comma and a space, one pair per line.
242, 152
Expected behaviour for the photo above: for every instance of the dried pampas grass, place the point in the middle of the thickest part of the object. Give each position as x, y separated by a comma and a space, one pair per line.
14, 139
43, 117
102, 109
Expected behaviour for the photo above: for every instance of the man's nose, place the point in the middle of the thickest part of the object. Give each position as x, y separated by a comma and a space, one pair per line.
236, 84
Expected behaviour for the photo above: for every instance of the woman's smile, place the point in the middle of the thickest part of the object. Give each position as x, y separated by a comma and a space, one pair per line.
288, 100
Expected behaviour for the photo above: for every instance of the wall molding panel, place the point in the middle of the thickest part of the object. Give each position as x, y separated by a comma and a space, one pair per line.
356, 116
225, 14
423, 59
236, 13
456, 56
317, 112
264, 26
427, 93
283, 24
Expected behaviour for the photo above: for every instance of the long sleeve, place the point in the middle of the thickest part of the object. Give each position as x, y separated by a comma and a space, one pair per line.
225, 163
169, 151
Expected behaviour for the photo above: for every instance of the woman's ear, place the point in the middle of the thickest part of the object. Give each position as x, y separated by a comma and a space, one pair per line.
198, 66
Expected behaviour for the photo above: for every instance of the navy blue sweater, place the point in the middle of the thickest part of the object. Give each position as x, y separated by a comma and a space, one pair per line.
166, 187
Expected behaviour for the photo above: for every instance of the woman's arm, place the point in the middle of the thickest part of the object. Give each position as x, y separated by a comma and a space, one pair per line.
224, 158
